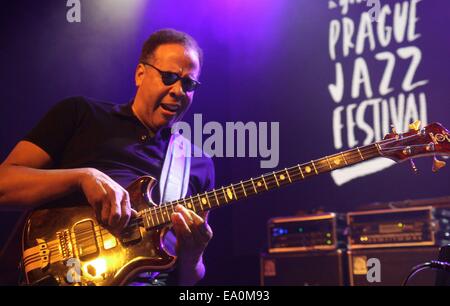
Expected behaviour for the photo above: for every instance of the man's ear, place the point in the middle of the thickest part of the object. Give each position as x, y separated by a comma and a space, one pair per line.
139, 74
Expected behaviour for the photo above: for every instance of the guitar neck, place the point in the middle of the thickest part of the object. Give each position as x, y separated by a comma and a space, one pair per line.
160, 215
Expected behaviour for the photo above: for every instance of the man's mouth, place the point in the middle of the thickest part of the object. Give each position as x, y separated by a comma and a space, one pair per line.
173, 108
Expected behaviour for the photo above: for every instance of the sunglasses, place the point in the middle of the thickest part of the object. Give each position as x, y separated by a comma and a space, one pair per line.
169, 78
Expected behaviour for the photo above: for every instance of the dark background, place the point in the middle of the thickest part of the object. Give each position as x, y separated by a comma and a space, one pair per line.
264, 61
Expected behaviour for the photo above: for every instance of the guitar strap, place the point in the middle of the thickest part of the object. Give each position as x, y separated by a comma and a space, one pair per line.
173, 185
174, 180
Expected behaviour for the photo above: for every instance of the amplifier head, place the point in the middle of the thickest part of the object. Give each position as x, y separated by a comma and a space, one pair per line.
402, 227
304, 233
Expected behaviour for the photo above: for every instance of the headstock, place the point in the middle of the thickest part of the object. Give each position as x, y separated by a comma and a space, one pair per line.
433, 139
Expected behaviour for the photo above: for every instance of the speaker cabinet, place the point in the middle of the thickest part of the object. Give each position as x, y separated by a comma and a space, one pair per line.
394, 266
303, 269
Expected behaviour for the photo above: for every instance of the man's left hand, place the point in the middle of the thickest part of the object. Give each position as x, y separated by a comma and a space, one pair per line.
193, 234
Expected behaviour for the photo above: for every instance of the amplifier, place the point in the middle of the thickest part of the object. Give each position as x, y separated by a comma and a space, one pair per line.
394, 266
319, 268
419, 226
305, 233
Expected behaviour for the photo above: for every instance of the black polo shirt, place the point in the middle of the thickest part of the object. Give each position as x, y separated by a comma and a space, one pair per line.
81, 132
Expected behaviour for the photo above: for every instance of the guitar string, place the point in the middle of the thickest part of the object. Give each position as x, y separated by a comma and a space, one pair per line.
247, 184
86, 235
269, 179
158, 210
80, 236
368, 148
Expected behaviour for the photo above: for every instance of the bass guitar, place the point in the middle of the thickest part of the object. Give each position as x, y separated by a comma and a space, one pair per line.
67, 246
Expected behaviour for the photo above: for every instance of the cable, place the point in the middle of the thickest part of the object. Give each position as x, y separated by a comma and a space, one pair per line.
433, 264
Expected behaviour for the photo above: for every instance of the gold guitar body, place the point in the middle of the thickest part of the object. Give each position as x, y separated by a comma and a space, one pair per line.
67, 246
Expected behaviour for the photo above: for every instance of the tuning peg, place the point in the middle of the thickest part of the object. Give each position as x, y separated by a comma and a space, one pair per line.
413, 166
437, 164
415, 126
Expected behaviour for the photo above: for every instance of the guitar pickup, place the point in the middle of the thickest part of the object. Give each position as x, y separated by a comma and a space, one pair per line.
86, 240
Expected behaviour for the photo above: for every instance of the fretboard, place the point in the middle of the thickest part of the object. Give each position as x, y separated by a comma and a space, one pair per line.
160, 215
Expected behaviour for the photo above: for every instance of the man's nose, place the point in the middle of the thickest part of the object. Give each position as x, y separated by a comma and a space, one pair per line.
176, 91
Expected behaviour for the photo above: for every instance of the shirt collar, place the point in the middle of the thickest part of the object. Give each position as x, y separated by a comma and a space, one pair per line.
125, 110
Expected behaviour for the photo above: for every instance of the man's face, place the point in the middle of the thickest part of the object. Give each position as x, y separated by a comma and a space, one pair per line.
159, 105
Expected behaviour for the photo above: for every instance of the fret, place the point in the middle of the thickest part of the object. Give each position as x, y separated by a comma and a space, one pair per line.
196, 201
287, 173
161, 215
301, 172
343, 157
207, 199
151, 217
146, 219
243, 188
158, 210
223, 190
276, 180
262, 176
185, 204
156, 215
146, 223
193, 204
254, 185
329, 164
360, 154
215, 195
378, 148
167, 212
201, 201
315, 170
173, 207
232, 188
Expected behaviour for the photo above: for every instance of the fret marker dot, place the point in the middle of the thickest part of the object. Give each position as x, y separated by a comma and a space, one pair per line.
308, 169
230, 195
337, 161
259, 184
189, 205
282, 177
203, 201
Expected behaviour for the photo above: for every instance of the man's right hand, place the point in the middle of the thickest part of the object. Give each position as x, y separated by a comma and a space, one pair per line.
110, 201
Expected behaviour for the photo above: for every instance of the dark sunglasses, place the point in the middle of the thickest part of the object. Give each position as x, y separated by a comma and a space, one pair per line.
169, 78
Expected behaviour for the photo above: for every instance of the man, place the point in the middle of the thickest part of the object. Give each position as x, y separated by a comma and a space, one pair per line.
97, 149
